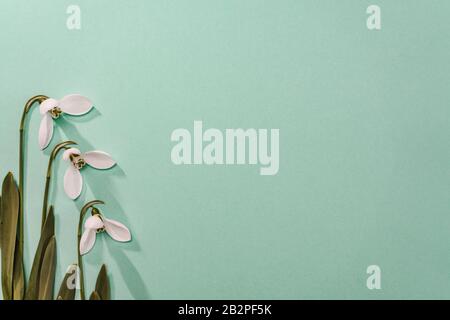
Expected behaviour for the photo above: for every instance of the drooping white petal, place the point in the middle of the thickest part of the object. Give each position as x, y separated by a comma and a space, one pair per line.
117, 230
75, 105
48, 105
71, 151
45, 131
73, 182
98, 159
87, 240
93, 222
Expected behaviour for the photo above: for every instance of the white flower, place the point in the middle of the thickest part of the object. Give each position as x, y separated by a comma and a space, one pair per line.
51, 109
98, 224
73, 181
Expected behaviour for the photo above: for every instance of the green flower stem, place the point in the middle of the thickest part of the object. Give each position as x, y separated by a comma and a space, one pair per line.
55, 151
28, 105
83, 211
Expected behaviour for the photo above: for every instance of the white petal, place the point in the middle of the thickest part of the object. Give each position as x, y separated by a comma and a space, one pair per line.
75, 105
98, 159
66, 155
45, 131
73, 182
48, 105
87, 240
116, 230
93, 222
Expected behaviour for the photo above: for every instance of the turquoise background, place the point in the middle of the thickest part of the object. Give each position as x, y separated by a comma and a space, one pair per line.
364, 142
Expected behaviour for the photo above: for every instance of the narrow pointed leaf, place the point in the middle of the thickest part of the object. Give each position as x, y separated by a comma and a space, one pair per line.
1, 222
102, 284
66, 291
47, 273
18, 274
47, 233
95, 296
10, 216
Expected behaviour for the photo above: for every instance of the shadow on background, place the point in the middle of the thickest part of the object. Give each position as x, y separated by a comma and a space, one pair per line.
103, 187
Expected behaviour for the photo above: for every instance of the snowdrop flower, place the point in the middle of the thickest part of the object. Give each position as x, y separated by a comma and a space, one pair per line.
51, 109
96, 224
73, 181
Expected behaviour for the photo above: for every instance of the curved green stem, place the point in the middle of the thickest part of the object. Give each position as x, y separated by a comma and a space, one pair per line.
55, 151
28, 105
83, 211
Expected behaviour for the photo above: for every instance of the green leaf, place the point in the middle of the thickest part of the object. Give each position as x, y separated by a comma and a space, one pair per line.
95, 296
18, 274
47, 272
10, 217
1, 222
102, 284
65, 292
47, 233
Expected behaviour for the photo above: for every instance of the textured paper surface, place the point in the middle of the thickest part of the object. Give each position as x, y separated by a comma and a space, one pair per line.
364, 153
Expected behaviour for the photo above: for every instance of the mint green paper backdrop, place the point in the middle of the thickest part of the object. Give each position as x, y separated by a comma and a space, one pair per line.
364, 119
